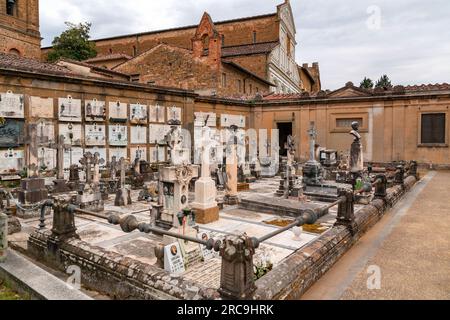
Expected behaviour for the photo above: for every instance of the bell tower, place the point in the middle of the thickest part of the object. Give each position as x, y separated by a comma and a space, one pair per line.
19, 28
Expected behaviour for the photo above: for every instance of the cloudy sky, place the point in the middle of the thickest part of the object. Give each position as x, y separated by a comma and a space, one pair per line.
407, 39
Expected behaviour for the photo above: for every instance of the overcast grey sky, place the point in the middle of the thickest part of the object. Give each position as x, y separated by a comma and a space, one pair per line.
410, 42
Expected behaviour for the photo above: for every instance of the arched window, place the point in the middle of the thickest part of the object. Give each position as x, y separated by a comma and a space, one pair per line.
110, 50
134, 51
223, 40
11, 7
254, 36
14, 51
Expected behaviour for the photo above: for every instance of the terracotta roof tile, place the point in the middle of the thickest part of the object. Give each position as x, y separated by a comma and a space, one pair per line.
113, 56
11, 61
428, 87
248, 49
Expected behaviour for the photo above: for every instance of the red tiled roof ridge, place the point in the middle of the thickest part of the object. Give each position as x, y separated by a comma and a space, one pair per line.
110, 56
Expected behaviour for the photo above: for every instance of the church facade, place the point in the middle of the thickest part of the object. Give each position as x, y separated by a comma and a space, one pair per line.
252, 49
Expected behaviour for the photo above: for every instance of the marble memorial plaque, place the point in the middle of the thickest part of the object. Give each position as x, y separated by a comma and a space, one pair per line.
118, 153
174, 114
207, 254
47, 158
157, 133
95, 110
138, 113
139, 135
69, 109
173, 260
72, 156
157, 154
12, 105
45, 131
100, 151
11, 133
71, 129
141, 152
118, 111
95, 135
157, 114
200, 118
227, 120
118, 135
11, 161
41, 107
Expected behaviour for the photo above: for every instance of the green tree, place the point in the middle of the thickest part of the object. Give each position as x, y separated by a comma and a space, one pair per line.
367, 83
384, 82
73, 43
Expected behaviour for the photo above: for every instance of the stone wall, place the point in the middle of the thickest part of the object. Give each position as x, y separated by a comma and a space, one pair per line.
116, 275
297, 273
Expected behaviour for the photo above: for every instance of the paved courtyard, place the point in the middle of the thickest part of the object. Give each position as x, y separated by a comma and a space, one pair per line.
410, 245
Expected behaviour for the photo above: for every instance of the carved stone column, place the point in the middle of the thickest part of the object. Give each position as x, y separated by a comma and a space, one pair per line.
346, 211
63, 224
237, 279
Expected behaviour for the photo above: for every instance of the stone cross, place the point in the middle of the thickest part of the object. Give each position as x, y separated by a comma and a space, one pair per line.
312, 141
60, 146
137, 161
113, 166
97, 161
87, 162
122, 165
207, 144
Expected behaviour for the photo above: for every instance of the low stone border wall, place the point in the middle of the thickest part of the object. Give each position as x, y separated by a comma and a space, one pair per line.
116, 275
298, 272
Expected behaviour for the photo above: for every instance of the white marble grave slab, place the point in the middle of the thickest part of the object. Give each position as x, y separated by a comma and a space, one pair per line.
95, 135
95, 110
69, 109
118, 135
138, 113
157, 114
11, 160
72, 156
174, 114
118, 153
227, 120
118, 110
12, 105
141, 152
200, 118
138, 134
64, 129
173, 260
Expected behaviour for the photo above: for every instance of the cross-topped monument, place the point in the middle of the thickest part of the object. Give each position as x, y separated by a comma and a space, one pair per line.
312, 171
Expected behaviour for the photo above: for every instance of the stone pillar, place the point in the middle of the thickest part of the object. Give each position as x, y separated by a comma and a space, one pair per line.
63, 225
400, 175
205, 205
237, 278
346, 211
231, 194
381, 187
3, 236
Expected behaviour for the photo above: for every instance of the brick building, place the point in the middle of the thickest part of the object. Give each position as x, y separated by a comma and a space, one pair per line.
19, 28
402, 123
241, 53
